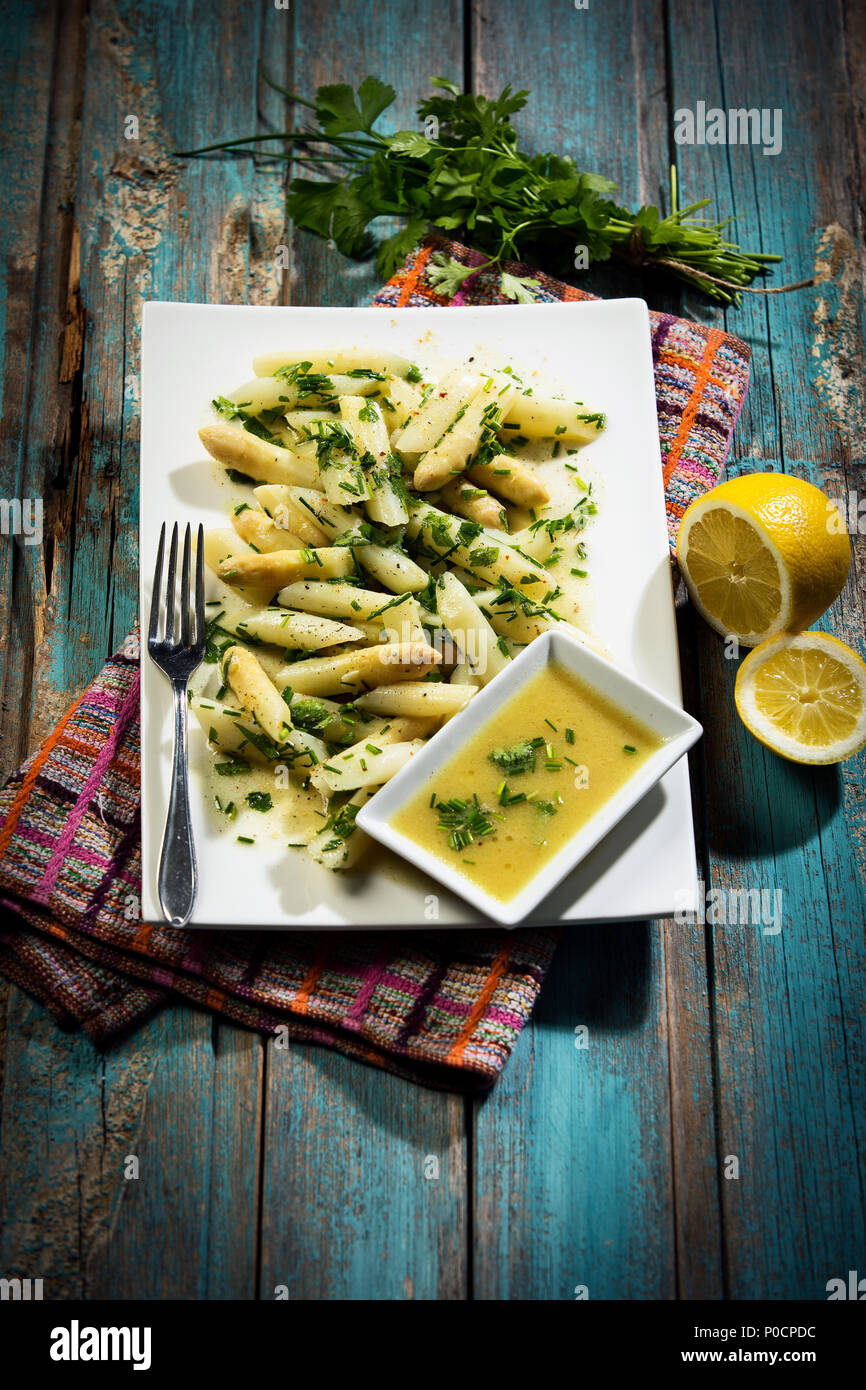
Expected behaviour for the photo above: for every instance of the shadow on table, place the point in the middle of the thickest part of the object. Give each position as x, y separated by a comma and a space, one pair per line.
791, 807
600, 976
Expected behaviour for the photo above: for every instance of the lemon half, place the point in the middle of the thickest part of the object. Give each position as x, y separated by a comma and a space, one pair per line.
763, 554
804, 697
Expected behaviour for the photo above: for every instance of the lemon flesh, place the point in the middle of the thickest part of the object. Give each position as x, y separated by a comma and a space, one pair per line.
735, 575
763, 554
804, 697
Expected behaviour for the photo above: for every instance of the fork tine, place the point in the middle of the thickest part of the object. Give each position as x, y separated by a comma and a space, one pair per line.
169, 588
157, 587
199, 587
184, 589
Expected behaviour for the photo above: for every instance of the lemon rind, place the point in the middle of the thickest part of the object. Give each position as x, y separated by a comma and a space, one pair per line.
766, 732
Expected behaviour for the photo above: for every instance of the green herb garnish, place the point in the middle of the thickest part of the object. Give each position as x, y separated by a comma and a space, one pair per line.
520, 758
309, 714
235, 768
465, 822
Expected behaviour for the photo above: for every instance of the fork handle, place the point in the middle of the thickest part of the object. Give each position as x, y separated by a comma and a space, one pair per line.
178, 876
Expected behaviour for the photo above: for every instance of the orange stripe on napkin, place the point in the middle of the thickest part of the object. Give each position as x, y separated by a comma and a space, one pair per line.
142, 937
715, 337
455, 1055
414, 275
302, 998
30, 778
77, 746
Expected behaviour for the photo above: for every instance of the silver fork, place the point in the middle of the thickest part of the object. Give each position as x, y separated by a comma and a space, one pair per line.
178, 876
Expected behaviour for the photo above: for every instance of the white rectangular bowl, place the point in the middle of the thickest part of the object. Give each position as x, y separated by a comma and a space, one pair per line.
599, 353
669, 722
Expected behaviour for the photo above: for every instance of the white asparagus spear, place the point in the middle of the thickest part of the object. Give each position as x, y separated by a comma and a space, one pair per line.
404, 399
265, 393
295, 631
360, 669
394, 570
257, 693
418, 698
452, 394
282, 567
260, 531
347, 601
342, 360
235, 447
224, 544
475, 638
485, 555
467, 499
453, 452
510, 478
545, 416
363, 768
384, 504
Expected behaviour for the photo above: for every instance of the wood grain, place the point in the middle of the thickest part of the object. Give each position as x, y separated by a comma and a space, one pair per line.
601, 1167
786, 1008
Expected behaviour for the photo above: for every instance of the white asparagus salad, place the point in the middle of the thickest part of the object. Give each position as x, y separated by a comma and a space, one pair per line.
392, 541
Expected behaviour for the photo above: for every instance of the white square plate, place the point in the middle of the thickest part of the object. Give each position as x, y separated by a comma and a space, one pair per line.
597, 352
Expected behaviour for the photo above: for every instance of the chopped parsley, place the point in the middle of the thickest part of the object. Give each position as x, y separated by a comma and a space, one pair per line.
309, 714
520, 758
235, 768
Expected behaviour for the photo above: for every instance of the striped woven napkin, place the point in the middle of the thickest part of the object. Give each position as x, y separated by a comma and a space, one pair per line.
445, 1007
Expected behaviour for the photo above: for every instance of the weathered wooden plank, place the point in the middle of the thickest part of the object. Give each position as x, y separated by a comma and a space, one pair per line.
137, 225
787, 1006
572, 1158
697, 1205
31, 108
583, 1168
347, 1211
364, 1190
183, 1099
197, 1143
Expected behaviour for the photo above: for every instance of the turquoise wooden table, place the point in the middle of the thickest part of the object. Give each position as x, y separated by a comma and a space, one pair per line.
609, 1167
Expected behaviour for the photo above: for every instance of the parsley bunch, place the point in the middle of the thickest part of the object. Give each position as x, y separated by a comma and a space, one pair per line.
467, 174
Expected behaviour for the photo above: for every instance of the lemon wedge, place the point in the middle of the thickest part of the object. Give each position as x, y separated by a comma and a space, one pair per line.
763, 554
804, 697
